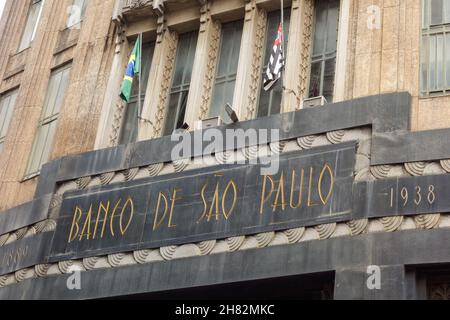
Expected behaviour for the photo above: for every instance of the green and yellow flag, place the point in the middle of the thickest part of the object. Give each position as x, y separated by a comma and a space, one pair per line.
133, 68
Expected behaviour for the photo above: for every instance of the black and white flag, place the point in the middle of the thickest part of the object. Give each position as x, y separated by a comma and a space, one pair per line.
276, 63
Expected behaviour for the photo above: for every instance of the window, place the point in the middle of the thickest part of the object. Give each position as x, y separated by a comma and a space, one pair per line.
435, 50
226, 68
77, 12
34, 14
179, 92
43, 142
130, 125
323, 64
270, 101
7, 103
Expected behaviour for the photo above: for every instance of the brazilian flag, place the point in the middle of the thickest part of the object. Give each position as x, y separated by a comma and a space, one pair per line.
133, 68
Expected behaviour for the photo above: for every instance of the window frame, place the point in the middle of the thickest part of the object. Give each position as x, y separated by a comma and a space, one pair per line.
46, 120
229, 76
266, 55
9, 113
134, 99
429, 31
35, 27
185, 85
82, 15
325, 55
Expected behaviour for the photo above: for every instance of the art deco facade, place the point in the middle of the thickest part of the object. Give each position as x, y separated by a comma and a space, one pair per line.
383, 67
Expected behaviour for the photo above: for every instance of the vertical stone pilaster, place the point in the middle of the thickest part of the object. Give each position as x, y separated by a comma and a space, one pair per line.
112, 109
154, 110
342, 50
298, 55
248, 81
204, 68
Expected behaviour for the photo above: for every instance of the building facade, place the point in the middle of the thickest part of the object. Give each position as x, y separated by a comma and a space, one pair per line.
356, 210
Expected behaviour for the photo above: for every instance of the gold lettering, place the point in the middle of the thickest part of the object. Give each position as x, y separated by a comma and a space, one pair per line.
87, 225
311, 173
300, 191
215, 203
131, 204
111, 222
280, 191
228, 214
265, 198
173, 199
330, 190
76, 218
101, 208
205, 203
156, 223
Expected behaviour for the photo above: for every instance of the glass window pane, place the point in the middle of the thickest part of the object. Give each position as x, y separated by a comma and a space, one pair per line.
315, 79
6, 116
227, 67
4, 102
61, 91
130, 124
320, 27
52, 93
328, 79
332, 26
171, 113
425, 12
447, 58
432, 56
32, 21
43, 141
436, 11
440, 61
187, 45
424, 65
38, 146
269, 102
48, 144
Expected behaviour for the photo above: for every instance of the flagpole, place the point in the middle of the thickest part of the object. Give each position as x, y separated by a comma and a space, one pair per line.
140, 77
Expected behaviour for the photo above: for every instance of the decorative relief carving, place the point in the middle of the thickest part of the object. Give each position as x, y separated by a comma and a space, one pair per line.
336, 137
306, 142
106, 178
130, 174
428, 221
391, 224
258, 51
205, 14
415, 168
155, 169
305, 55
180, 165
326, 230
83, 182
208, 82
358, 227
117, 123
170, 50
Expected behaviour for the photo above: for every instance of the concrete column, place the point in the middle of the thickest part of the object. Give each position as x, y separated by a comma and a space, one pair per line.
248, 81
298, 54
154, 110
357, 284
204, 68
